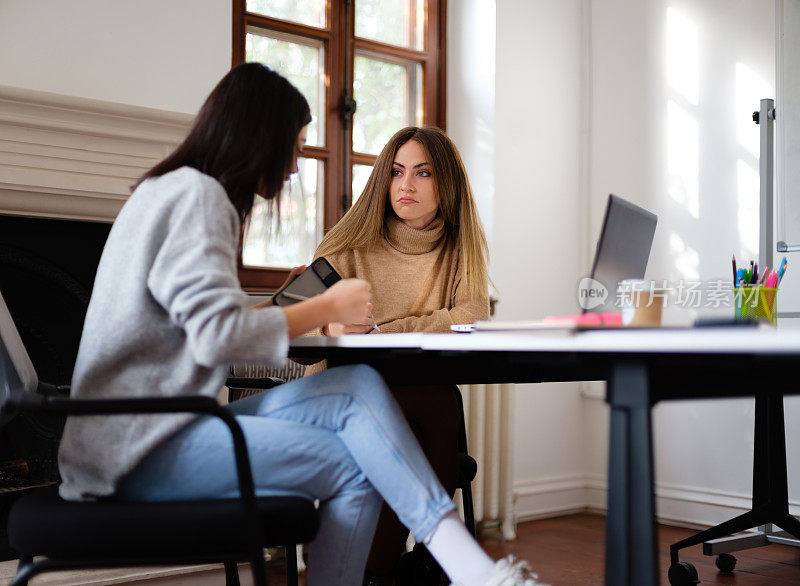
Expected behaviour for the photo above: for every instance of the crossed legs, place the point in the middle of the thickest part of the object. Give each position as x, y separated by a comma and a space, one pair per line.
338, 436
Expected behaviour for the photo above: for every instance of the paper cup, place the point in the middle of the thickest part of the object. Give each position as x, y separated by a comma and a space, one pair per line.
642, 304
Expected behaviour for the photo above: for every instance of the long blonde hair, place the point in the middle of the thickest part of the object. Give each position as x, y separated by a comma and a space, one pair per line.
365, 223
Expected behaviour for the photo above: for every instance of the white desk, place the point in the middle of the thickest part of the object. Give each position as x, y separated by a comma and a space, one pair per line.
642, 367
680, 340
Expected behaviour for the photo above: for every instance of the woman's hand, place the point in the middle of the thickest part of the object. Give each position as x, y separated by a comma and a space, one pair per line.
337, 329
292, 276
348, 302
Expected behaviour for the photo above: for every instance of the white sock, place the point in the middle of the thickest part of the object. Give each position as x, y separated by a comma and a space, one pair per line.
458, 553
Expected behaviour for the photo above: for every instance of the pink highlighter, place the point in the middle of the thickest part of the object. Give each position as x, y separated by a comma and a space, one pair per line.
609, 318
772, 280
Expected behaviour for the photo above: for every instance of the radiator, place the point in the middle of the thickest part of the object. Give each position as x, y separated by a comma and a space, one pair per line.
488, 411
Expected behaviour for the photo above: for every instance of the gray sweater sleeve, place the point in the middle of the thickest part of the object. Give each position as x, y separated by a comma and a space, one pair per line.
194, 278
167, 316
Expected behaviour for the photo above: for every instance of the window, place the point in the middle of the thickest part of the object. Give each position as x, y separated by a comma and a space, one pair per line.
382, 58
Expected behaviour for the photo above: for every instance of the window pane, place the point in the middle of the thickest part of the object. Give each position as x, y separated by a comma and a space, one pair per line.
396, 22
300, 61
389, 96
310, 12
292, 242
360, 177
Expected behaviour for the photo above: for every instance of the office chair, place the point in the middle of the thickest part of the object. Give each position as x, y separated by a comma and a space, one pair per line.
108, 533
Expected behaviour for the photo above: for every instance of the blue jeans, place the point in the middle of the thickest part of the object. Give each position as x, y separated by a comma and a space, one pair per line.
337, 436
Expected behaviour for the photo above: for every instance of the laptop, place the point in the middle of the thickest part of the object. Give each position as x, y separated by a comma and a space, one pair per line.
622, 252
623, 249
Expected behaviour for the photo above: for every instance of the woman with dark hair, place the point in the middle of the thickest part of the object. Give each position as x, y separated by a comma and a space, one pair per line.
167, 316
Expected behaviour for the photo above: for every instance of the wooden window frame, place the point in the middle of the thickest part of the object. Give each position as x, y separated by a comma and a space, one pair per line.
340, 46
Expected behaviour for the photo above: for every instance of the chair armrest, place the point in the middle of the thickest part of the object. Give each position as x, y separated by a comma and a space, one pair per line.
65, 406
266, 382
35, 402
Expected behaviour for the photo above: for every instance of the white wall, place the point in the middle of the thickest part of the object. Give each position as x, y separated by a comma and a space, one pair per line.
151, 53
674, 85
536, 246
471, 46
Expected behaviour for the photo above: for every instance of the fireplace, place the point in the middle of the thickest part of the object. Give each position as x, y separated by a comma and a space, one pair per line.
67, 164
47, 270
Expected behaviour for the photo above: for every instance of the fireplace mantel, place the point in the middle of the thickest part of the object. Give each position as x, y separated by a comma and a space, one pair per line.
75, 158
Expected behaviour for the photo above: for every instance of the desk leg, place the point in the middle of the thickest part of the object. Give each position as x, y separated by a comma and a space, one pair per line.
631, 510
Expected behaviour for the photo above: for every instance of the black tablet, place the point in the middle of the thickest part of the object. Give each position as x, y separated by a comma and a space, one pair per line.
317, 277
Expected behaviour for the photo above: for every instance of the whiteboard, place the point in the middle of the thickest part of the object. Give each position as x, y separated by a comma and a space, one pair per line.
787, 150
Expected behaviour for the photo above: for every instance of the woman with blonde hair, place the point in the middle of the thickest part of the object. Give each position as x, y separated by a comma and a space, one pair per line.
415, 236
416, 213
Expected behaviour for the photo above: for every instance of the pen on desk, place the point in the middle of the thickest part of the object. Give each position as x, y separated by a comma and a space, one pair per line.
754, 276
733, 262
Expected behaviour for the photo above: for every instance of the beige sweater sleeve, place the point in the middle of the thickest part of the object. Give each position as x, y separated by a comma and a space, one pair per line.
465, 310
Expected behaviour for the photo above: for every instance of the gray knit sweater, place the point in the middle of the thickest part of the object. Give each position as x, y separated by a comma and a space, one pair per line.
167, 315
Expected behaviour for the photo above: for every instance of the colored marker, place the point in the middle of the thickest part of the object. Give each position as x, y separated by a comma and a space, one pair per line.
772, 281
782, 269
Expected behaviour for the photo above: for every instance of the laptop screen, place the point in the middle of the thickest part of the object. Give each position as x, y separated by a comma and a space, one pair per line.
622, 249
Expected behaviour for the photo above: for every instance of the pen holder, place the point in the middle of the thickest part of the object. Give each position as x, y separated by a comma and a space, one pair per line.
756, 302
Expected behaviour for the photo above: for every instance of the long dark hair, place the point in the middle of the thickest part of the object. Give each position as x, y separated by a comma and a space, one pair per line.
244, 135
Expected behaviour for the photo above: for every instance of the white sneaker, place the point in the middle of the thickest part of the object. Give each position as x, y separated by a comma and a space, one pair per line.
510, 572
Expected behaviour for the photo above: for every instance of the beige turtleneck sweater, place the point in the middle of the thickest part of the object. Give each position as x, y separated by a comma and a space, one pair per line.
415, 279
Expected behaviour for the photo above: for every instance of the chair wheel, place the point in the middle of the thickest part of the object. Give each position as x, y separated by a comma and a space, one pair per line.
725, 562
682, 574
